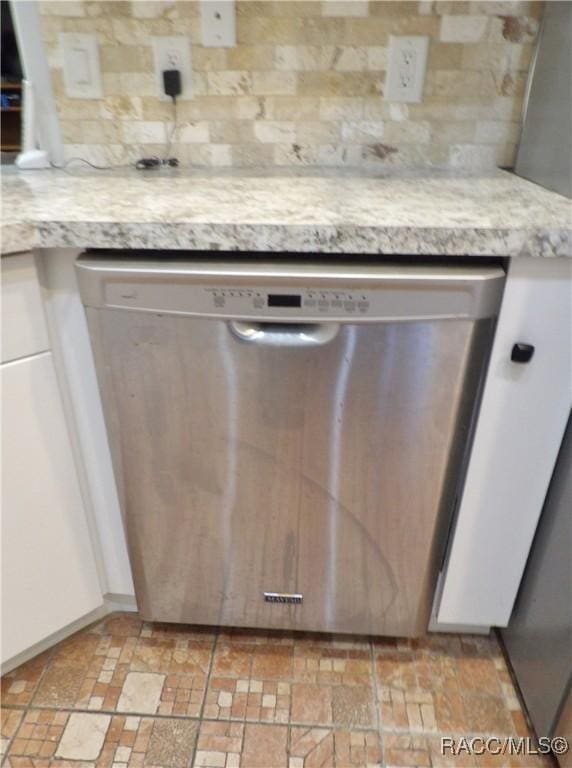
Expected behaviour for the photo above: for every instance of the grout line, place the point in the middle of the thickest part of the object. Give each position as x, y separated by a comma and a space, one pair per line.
204, 701
377, 702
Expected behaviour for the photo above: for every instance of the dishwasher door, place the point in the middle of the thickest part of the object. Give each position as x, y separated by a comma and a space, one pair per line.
280, 474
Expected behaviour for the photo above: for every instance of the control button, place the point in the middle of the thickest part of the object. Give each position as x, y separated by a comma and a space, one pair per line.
363, 306
350, 306
337, 304
323, 304
310, 303
219, 301
258, 302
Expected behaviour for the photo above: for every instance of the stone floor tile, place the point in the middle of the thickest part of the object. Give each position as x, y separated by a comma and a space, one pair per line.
219, 738
395, 670
265, 746
443, 758
312, 704
171, 743
83, 737
89, 670
60, 686
478, 675
18, 686
406, 751
9, 722
38, 736
141, 693
316, 746
273, 699
56, 739
488, 714
259, 681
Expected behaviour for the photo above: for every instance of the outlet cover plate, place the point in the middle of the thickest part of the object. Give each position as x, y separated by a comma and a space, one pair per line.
406, 68
218, 23
173, 53
81, 70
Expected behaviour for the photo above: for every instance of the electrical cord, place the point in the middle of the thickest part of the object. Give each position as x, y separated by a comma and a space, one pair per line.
144, 163
167, 159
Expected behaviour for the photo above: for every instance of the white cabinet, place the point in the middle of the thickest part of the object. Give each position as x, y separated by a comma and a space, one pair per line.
49, 575
522, 419
24, 329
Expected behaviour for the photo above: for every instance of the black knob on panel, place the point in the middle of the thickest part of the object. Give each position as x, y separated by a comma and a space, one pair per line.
522, 353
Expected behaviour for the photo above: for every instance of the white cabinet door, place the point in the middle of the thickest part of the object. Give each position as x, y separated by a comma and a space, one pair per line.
24, 330
49, 576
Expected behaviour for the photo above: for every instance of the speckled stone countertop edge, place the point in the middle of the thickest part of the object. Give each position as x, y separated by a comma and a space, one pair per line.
352, 240
498, 214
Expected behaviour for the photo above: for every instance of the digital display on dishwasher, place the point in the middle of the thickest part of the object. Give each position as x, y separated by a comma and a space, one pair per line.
284, 300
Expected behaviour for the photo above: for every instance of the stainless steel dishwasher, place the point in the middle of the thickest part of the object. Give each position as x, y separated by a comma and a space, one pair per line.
288, 437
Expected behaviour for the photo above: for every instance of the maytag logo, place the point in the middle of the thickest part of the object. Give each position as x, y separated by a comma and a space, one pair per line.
282, 597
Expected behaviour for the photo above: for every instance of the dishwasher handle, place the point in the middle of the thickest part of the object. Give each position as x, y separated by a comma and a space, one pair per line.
274, 334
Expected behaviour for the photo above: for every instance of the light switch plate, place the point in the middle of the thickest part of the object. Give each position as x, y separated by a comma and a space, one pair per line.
81, 70
218, 23
406, 68
173, 53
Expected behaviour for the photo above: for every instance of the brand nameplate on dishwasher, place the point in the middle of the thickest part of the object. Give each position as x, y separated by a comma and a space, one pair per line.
283, 597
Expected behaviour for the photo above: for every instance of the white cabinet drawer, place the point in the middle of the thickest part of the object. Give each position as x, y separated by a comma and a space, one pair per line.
24, 330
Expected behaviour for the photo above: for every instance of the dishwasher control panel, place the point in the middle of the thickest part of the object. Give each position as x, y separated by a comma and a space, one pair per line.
245, 301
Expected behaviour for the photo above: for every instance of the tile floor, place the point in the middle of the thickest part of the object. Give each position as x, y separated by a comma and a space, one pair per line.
127, 694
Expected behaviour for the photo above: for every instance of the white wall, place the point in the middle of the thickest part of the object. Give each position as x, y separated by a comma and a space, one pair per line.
70, 340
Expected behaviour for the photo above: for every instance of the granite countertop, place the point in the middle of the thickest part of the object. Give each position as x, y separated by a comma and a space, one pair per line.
329, 212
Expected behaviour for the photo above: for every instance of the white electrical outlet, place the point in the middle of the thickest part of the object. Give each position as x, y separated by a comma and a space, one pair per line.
406, 69
173, 53
82, 74
218, 23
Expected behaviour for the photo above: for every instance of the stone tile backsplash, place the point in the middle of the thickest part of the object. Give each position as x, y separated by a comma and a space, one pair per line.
304, 85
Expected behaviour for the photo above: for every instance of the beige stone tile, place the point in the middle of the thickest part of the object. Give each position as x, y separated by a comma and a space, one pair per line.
463, 29
345, 8
275, 132
296, 108
274, 83
377, 57
217, 155
206, 59
143, 132
125, 58
231, 131
83, 736
295, 154
151, 9
270, 31
362, 131
141, 692
339, 83
229, 83
250, 57
62, 8
195, 132
252, 155
318, 132
391, 9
